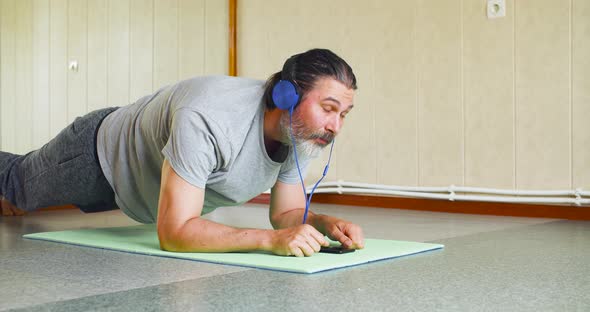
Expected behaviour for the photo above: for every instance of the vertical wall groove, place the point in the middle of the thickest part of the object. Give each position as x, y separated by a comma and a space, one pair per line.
87, 59
67, 58
514, 104
571, 94
108, 50
415, 47
179, 25
31, 73
129, 50
1, 82
153, 44
204, 40
374, 113
49, 67
462, 90
49, 103
14, 75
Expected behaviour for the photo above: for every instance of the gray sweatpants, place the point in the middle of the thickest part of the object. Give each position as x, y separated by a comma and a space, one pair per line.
64, 171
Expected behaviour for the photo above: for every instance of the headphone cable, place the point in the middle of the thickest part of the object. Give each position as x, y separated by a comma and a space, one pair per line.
307, 200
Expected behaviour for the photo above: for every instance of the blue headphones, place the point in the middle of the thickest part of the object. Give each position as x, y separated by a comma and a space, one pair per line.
286, 95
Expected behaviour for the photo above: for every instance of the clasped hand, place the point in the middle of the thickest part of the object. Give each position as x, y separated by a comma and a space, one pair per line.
305, 240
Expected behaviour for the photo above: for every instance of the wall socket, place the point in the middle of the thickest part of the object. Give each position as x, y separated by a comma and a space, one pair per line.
496, 8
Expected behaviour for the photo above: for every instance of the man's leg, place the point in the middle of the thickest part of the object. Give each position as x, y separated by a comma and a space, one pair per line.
64, 171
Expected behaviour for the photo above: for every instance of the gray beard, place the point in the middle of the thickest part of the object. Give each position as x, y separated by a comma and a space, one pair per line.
304, 147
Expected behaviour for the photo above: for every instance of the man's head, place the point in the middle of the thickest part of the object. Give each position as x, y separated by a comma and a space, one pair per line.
326, 84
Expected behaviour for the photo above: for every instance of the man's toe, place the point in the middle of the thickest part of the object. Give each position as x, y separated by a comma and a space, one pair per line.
8, 209
5, 210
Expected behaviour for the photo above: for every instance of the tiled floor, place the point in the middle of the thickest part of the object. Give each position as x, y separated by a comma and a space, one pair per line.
488, 264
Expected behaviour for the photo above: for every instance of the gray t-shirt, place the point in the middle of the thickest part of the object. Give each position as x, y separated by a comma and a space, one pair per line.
210, 129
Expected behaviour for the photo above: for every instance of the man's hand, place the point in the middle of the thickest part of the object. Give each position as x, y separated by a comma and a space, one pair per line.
348, 234
286, 212
301, 240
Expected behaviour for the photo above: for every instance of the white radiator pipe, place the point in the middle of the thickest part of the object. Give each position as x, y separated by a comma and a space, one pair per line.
452, 188
450, 193
453, 197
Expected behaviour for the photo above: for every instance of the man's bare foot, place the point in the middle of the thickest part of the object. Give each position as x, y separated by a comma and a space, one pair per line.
8, 209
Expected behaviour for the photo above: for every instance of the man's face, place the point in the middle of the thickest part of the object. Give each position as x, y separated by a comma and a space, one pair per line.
319, 117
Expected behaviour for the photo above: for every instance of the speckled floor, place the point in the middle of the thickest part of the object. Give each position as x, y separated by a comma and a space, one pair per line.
489, 264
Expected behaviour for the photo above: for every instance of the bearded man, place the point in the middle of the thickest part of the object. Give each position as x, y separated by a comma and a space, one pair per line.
197, 145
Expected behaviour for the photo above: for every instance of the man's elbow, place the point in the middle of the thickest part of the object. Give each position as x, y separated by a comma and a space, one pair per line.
169, 239
275, 221
167, 245
281, 220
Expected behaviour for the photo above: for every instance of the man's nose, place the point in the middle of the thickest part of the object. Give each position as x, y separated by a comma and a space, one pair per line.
334, 125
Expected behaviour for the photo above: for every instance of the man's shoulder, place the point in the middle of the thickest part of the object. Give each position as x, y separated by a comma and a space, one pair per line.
222, 82
230, 104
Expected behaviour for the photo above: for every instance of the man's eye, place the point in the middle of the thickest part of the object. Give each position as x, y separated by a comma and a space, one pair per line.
327, 108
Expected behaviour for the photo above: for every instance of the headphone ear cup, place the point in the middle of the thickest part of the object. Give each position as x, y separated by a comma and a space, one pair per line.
284, 95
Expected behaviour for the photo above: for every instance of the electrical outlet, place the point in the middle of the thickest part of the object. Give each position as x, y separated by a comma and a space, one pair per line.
73, 65
496, 8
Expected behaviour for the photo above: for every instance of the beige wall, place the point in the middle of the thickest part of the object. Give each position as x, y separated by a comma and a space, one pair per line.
446, 96
125, 49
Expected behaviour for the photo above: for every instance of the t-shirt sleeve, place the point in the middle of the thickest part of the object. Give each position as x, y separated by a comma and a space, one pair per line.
191, 147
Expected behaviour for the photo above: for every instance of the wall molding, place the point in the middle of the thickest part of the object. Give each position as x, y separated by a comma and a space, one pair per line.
433, 205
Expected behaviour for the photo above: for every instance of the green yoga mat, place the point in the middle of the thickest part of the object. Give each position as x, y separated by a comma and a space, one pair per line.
143, 239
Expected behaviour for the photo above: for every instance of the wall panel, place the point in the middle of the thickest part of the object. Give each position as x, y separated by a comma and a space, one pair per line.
97, 55
165, 42
216, 45
7, 74
141, 38
118, 53
117, 50
39, 120
488, 92
543, 108
58, 66
77, 52
395, 120
24, 75
440, 107
581, 93
191, 41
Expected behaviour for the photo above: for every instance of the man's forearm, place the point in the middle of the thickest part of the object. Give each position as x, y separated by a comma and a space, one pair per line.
200, 235
294, 217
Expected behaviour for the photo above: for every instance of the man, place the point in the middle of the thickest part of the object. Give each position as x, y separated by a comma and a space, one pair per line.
197, 145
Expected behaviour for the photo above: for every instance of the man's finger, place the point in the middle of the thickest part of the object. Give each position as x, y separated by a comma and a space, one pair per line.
320, 238
315, 245
357, 237
342, 238
306, 249
296, 251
